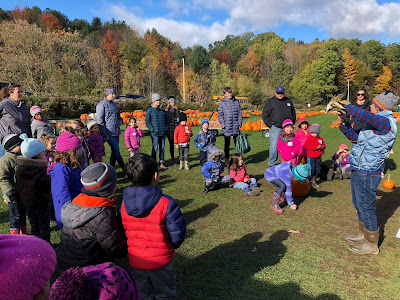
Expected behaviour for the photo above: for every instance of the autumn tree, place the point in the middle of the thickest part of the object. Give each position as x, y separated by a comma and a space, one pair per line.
50, 22
349, 71
110, 47
383, 82
223, 56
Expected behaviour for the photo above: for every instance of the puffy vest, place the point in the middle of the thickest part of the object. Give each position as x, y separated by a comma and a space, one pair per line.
149, 243
371, 149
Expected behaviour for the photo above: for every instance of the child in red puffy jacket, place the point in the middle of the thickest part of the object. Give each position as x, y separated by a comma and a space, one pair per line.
315, 147
182, 136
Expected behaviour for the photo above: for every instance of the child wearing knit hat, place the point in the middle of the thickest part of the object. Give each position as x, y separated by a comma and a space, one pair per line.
204, 140
90, 233
65, 172
39, 123
302, 133
104, 281
315, 147
26, 266
34, 186
8, 167
182, 136
341, 167
288, 144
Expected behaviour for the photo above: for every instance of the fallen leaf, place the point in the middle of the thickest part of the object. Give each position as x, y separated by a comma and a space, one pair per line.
293, 231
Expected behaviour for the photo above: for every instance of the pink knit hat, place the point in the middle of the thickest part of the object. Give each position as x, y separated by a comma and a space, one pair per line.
301, 121
34, 110
26, 265
343, 146
68, 141
287, 122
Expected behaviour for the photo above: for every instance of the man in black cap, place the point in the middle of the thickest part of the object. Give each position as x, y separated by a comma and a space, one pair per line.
275, 111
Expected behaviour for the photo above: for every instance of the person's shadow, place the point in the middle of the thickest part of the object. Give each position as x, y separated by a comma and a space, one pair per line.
385, 208
228, 270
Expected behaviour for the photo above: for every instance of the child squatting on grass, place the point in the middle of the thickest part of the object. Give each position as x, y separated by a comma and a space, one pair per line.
341, 167
288, 145
282, 176
213, 169
154, 226
204, 140
239, 177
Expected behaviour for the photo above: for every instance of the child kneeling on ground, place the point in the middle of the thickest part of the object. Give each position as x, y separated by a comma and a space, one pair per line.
239, 177
213, 169
282, 176
154, 226
341, 167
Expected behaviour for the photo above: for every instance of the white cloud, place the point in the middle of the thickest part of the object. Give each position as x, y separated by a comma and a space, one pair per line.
339, 18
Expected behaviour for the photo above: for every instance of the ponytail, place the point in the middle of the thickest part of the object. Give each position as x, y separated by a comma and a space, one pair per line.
5, 91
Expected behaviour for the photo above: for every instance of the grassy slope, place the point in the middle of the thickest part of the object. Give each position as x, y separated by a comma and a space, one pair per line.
238, 247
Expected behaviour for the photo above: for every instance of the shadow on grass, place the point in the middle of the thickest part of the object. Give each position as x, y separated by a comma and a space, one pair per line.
390, 165
385, 208
199, 213
229, 271
258, 157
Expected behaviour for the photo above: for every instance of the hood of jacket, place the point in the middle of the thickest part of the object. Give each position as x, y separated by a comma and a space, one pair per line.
139, 201
31, 162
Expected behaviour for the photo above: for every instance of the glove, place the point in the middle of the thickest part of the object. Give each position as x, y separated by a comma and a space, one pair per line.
337, 104
14, 198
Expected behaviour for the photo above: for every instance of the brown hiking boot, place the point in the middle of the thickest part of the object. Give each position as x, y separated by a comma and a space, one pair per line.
358, 237
162, 167
369, 245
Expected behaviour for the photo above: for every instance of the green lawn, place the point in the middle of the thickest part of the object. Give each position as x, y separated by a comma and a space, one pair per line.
239, 248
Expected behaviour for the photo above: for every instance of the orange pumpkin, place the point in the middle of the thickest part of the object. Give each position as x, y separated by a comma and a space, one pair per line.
84, 116
300, 188
123, 115
388, 184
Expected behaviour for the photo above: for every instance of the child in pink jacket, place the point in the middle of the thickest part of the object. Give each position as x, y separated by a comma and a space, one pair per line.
239, 177
288, 144
302, 134
132, 137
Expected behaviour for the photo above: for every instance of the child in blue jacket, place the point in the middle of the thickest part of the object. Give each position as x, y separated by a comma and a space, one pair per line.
204, 140
282, 176
213, 169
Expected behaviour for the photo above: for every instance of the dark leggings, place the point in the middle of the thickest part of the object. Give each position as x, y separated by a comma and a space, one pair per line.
281, 186
228, 143
171, 146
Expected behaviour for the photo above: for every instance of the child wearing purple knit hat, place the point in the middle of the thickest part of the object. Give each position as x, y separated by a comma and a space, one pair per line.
26, 266
104, 282
65, 172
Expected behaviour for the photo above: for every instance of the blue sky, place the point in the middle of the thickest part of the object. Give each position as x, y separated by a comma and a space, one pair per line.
205, 21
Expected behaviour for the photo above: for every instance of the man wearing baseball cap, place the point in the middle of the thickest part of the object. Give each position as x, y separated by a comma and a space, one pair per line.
275, 111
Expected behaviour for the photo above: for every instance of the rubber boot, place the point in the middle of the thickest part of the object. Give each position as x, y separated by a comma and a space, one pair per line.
22, 229
330, 175
358, 237
186, 165
255, 191
338, 174
162, 166
369, 245
275, 203
314, 182
181, 165
206, 189
13, 231
347, 175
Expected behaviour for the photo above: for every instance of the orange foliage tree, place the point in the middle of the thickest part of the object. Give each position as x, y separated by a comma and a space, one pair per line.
50, 22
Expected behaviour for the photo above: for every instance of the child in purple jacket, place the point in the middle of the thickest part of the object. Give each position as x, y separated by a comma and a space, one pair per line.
132, 137
288, 145
95, 142
341, 166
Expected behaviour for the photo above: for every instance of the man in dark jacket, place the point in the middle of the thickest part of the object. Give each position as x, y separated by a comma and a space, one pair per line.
91, 234
275, 111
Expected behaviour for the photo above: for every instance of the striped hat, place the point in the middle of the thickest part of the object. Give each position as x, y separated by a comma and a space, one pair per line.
68, 141
34, 110
287, 122
386, 101
100, 179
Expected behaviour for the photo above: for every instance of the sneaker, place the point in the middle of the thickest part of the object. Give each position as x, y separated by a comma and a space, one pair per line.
205, 190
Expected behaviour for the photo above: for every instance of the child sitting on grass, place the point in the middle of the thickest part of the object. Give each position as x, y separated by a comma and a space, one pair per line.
182, 136
154, 226
213, 169
288, 145
282, 176
315, 147
204, 140
8, 167
239, 177
341, 166
302, 133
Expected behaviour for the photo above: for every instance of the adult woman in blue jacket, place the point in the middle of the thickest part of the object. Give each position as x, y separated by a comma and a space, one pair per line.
109, 120
230, 118
157, 122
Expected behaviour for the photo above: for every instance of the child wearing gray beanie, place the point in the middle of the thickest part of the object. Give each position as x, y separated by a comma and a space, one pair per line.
90, 233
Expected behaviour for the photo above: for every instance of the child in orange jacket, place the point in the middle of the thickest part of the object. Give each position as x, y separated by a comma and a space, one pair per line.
315, 147
182, 135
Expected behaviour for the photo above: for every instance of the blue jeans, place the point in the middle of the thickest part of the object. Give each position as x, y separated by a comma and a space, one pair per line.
363, 194
17, 215
274, 133
203, 157
281, 186
114, 145
158, 142
245, 186
315, 165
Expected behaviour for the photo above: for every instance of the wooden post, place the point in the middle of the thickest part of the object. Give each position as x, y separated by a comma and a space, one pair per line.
183, 71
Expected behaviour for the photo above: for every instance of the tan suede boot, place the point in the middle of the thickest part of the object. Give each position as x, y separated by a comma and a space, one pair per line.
369, 245
181, 165
186, 165
358, 237
162, 166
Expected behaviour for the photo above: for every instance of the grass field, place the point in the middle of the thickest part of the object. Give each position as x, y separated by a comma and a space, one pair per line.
238, 248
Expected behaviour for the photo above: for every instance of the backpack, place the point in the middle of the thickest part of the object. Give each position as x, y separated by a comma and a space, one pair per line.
242, 144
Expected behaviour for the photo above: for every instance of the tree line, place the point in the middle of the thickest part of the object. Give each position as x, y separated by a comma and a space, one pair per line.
51, 55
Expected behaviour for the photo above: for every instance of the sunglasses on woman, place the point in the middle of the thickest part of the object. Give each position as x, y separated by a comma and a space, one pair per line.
360, 94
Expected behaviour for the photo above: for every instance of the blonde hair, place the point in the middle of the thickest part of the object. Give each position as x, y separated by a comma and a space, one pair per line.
67, 129
46, 137
71, 123
68, 158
